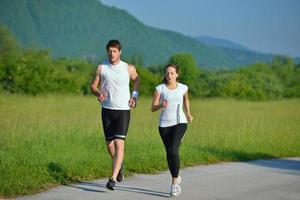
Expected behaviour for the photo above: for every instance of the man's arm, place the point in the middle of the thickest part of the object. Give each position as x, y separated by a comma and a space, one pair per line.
96, 83
134, 76
136, 84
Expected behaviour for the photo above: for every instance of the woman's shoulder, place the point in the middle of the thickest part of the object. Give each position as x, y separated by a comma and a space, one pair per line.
160, 87
183, 86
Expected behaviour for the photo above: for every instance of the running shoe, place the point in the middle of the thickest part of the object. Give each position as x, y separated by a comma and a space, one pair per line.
111, 184
175, 190
120, 176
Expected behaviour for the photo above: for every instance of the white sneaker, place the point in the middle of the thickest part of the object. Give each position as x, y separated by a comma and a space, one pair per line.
175, 190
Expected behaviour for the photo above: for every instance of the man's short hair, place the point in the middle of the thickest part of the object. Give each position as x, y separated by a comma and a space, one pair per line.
113, 43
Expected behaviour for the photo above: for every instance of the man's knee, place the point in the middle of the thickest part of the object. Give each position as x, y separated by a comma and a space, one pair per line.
110, 144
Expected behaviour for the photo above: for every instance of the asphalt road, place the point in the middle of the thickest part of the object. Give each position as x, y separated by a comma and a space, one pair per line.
277, 179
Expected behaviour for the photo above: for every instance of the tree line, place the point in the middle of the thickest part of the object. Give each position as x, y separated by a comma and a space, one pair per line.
32, 71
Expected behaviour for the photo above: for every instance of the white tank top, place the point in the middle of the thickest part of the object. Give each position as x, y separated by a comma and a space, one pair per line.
173, 114
115, 84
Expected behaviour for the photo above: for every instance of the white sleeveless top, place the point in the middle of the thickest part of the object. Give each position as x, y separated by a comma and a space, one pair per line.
115, 84
173, 114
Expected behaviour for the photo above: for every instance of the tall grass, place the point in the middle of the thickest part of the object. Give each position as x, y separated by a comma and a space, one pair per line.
50, 140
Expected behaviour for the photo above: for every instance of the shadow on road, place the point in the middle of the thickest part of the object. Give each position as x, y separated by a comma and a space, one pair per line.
78, 186
293, 166
143, 191
86, 186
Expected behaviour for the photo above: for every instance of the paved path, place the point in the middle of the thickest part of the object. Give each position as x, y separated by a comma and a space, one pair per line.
277, 179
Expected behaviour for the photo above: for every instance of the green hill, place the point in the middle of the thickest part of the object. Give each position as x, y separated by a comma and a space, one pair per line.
242, 55
77, 28
221, 43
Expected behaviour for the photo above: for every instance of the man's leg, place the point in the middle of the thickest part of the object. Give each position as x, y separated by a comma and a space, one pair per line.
118, 157
116, 150
119, 127
111, 148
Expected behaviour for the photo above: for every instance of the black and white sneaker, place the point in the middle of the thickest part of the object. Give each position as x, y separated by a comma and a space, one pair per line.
111, 184
120, 176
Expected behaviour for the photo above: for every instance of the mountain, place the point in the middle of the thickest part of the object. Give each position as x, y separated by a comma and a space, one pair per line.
77, 28
81, 28
220, 43
239, 53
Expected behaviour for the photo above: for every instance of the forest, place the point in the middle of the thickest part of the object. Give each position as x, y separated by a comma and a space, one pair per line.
34, 71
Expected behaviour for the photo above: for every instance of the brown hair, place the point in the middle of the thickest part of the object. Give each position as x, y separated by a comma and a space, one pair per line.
113, 43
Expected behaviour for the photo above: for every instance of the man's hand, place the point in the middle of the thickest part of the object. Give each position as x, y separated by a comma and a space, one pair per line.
190, 118
132, 102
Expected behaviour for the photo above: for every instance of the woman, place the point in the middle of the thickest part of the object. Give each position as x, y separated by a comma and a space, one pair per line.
171, 96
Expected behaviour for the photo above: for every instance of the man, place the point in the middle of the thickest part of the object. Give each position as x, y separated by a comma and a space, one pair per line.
111, 86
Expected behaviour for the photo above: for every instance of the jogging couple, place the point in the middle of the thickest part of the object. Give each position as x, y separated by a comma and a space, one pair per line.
111, 86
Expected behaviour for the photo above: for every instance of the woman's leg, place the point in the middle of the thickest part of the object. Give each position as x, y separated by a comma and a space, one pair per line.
172, 137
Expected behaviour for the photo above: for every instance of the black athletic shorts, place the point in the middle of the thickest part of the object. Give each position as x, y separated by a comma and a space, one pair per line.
115, 123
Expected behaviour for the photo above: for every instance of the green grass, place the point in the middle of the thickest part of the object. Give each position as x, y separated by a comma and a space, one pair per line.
51, 140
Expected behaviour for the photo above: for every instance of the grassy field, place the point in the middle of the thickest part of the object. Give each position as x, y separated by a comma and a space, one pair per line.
51, 140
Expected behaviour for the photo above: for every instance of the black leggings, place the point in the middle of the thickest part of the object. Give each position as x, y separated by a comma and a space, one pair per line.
171, 137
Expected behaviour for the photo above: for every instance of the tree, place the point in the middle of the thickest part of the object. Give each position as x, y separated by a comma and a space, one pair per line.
189, 73
8, 44
285, 69
9, 54
148, 81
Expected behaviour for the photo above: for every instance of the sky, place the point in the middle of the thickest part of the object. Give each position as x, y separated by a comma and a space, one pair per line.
267, 26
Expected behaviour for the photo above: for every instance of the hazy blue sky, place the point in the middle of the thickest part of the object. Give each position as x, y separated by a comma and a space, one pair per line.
262, 25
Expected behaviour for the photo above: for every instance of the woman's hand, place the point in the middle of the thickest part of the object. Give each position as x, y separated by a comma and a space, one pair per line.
101, 97
164, 104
